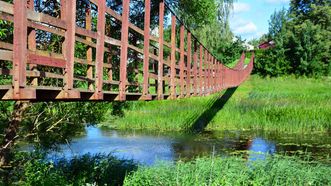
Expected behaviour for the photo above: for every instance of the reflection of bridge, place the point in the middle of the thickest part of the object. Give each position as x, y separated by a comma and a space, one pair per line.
93, 52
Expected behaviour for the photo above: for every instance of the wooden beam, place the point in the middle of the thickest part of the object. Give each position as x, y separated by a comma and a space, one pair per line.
173, 59
160, 67
124, 50
181, 60
146, 48
98, 94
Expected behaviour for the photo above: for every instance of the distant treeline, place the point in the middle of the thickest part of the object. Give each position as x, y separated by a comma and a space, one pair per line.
302, 37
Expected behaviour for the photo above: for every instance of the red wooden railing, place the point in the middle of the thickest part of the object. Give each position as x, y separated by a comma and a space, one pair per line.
110, 68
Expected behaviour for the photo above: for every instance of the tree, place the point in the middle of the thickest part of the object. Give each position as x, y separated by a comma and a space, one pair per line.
303, 41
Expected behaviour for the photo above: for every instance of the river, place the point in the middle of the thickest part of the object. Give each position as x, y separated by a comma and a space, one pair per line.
149, 147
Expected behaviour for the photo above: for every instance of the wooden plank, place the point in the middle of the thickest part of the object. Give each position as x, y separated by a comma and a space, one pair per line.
124, 50
39, 74
7, 46
173, 59
146, 47
20, 50
100, 50
6, 55
46, 19
46, 61
181, 60
86, 32
161, 41
112, 41
46, 28
6, 7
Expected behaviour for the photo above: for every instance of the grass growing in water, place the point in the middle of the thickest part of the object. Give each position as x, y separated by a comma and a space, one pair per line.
285, 104
233, 171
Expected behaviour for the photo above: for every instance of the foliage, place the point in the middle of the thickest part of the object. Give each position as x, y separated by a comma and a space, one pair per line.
99, 169
302, 38
48, 123
276, 170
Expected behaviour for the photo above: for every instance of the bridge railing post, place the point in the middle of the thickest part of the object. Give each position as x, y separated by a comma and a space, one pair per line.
181, 60
205, 72
160, 65
100, 49
32, 44
173, 59
195, 61
88, 26
19, 50
188, 66
124, 50
147, 21
68, 14
200, 71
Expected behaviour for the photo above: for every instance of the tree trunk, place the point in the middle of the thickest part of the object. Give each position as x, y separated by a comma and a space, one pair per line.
10, 132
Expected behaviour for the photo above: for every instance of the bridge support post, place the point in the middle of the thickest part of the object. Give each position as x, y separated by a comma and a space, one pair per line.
68, 14
145, 95
98, 94
160, 65
181, 61
200, 72
206, 72
19, 90
32, 44
173, 59
124, 50
89, 58
188, 66
195, 61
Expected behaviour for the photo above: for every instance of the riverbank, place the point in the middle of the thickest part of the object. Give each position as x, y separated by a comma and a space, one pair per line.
284, 104
102, 169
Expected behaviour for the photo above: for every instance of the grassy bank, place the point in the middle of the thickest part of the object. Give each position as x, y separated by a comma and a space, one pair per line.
233, 171
284, 104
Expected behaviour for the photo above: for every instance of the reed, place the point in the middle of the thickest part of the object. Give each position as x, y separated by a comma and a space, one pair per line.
276, 170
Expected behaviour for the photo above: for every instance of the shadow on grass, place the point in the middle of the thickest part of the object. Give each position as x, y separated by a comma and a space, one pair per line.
198, 123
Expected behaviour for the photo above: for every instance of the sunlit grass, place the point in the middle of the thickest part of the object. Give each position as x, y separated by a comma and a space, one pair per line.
233, 171
284, 104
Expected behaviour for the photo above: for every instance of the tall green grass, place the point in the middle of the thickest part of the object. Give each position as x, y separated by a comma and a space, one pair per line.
285, 104
233, 171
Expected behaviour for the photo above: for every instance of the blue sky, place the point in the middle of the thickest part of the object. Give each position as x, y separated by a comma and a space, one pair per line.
249, 18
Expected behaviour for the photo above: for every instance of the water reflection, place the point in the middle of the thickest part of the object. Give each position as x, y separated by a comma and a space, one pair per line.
147, 148
259, 148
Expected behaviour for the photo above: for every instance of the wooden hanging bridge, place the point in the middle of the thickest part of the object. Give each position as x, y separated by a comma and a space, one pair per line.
89, 50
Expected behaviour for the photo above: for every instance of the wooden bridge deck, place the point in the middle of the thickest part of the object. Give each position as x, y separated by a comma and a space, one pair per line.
117, 59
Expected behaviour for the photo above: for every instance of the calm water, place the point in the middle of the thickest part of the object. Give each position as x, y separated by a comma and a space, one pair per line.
149, 147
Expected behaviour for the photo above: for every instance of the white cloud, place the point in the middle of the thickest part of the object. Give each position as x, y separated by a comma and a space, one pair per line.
241, 7
278, 1
246, 28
